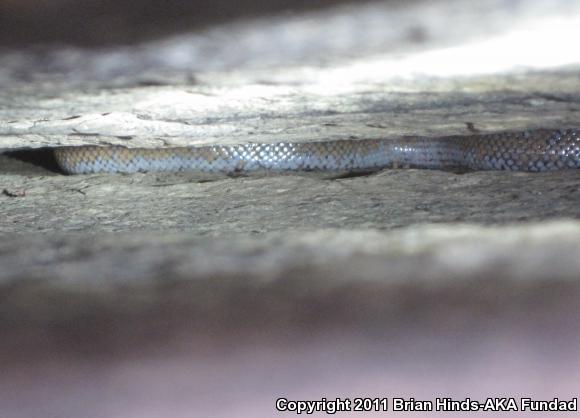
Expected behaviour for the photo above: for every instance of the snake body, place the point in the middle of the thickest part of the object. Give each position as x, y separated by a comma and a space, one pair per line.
534, 150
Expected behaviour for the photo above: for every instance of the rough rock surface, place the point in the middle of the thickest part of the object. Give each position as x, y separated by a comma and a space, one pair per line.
157, 295
394, 198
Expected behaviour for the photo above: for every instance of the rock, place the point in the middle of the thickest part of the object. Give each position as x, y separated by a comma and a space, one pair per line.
161, 294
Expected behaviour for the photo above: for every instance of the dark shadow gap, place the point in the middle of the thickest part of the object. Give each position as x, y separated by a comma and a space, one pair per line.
22, 161
97, 23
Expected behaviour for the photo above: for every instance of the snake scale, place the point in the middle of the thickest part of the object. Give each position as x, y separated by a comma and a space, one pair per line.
532, 150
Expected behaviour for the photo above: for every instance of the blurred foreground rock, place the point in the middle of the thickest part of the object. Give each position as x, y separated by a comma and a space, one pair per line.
131, 325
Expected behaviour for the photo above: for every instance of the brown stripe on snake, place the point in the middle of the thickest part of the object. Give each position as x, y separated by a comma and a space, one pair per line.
533, 150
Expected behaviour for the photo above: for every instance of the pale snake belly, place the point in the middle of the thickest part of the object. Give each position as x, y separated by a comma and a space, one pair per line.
533, 150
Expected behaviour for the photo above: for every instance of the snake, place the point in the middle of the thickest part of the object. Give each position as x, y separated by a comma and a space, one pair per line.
535, 150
